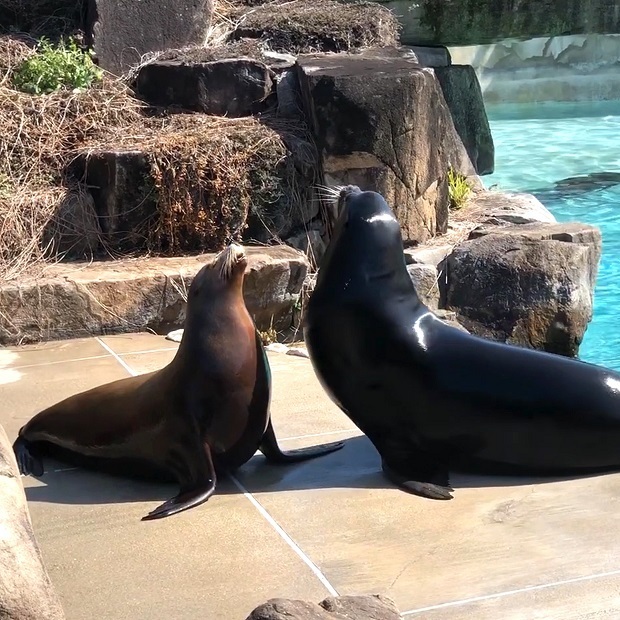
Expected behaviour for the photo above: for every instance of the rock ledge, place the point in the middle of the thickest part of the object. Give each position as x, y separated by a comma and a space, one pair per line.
83, 299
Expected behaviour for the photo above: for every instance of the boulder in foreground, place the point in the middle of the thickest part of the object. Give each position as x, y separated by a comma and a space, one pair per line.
26, 591
370, 607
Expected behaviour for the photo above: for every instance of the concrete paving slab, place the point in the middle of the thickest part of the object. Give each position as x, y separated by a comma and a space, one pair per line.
56, 351
503, 548
496, 535
299, 406
41, 385
218, 561
149, 361
593, 598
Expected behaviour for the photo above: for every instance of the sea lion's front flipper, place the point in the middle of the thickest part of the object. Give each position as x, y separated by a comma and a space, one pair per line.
28, 462
270, 448
195, 489
420, 478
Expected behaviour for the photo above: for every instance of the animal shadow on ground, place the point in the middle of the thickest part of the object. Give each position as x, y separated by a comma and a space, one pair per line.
356, 466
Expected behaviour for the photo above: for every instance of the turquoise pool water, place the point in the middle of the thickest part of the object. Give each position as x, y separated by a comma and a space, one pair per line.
538, 145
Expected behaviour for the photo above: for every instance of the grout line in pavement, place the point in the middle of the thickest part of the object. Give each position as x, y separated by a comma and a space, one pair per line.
77, 359
285, 537
117, 357
498, 595
92, 357
148, 351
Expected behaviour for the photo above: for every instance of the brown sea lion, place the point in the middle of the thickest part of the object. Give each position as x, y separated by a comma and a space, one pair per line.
207, 411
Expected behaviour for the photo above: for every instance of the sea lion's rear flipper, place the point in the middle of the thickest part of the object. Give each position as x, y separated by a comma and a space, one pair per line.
196, 488
270, 448
423, 478
28, 462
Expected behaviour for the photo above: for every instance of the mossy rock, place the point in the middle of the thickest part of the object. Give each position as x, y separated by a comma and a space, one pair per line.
322, 26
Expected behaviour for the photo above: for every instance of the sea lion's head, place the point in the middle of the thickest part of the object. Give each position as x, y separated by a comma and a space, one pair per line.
223, 274
367, 214
366, 241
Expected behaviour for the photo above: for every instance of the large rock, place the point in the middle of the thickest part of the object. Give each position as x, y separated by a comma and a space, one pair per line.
26, 591
370, 607
427, 254
505, 208
425, 281
462, 92
82, 299
381, 122
530, 284
121, 31
449, 317
328, 26
231, 87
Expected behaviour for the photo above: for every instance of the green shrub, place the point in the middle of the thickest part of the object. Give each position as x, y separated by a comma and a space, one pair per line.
458, 189
51, 68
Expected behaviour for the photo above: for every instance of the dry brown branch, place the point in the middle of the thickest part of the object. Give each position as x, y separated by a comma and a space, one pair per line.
299, 26
207, 174
40, 137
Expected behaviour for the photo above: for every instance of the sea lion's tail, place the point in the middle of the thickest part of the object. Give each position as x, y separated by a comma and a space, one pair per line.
28, 463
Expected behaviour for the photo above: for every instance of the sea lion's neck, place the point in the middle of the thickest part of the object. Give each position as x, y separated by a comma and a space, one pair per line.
212, 320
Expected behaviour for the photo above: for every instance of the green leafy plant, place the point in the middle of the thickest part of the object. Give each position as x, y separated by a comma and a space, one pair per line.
458, 189
53, 67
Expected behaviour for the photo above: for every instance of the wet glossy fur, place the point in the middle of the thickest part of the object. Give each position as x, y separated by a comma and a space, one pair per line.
431, 397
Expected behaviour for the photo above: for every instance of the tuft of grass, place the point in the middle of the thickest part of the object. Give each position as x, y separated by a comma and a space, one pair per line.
268, 336
54, 67
459, 189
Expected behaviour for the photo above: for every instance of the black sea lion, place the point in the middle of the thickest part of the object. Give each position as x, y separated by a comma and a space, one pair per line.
431, 397
206, 411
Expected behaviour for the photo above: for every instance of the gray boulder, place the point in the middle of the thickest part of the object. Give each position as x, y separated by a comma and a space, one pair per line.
121, 32
310, 242
373, 607
530, 284
504, 208
83, 299
450, 318
424, 278
381, 122
26, 591
427, 255
232, 87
